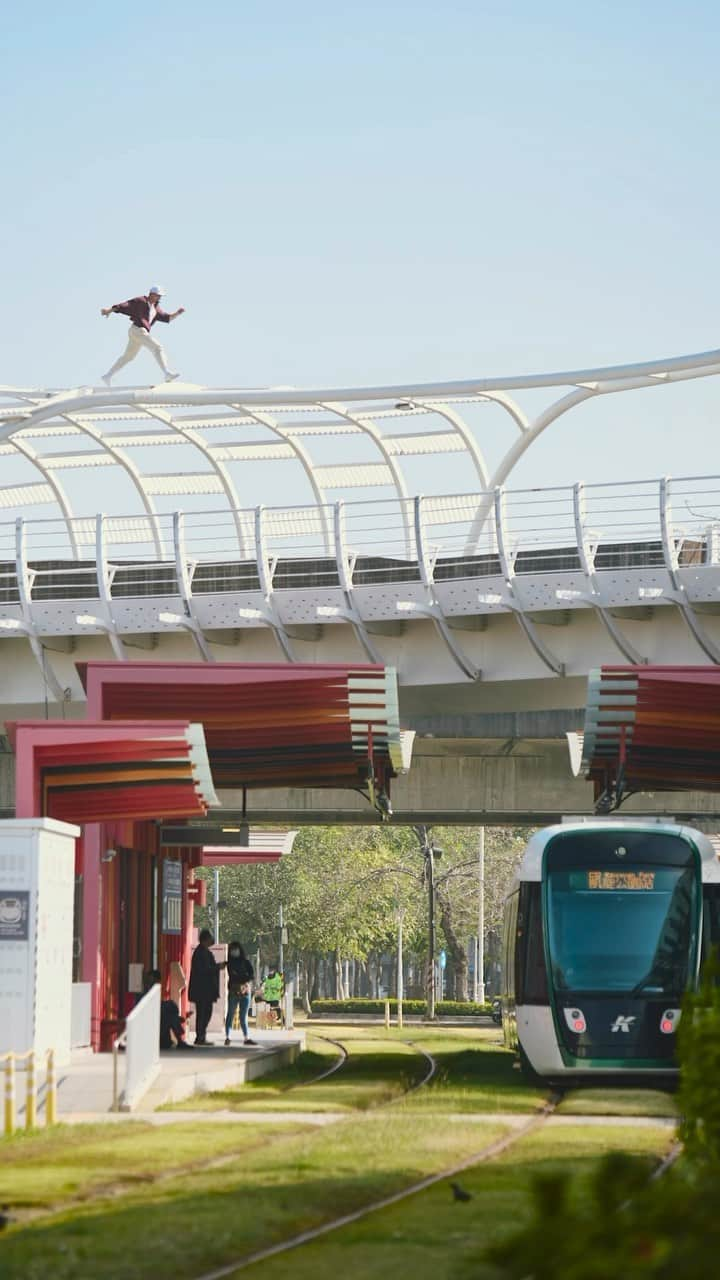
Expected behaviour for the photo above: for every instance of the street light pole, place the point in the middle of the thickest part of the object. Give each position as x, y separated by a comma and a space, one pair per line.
430, 874
480, 966
429, 853
400, 919
281, 953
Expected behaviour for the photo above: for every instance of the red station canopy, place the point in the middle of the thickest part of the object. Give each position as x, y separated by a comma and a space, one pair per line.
84, 771
650, 729
268, 724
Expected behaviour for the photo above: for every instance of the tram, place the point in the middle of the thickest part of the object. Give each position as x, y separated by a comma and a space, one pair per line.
606, 926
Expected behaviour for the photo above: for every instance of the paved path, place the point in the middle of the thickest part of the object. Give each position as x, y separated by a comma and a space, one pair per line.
85, 1084
509, 1119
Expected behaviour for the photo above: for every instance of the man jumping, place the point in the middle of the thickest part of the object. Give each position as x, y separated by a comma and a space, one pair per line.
143, 313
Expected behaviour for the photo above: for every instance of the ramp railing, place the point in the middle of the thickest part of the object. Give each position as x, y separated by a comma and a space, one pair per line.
141, 1043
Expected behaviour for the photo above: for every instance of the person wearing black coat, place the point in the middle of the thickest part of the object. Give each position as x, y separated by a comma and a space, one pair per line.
204, 988
240, 976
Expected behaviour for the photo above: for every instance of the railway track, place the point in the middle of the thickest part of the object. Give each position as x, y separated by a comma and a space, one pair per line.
345, 1056
493, 1149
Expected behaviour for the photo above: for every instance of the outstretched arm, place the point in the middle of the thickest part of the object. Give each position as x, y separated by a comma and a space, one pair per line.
123, 308
166, 316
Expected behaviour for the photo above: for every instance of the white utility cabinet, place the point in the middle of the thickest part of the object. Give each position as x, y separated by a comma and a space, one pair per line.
37, 878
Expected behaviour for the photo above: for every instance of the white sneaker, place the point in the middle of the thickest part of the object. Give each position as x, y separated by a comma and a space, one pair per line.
107, 379
170, 377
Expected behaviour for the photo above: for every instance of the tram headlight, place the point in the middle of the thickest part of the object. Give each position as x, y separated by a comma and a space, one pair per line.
575, 1019
669, 1021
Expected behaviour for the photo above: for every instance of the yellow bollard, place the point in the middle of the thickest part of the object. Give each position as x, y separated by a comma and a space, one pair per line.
9, 1094
387, 1015
51, 1090
31, 1096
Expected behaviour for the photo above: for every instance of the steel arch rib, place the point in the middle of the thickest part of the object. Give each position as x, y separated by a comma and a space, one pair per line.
219, 469
459, 425
303, 457
61, 497
370, 429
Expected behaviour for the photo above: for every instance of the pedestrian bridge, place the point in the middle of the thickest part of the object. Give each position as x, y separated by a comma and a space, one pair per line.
492, 602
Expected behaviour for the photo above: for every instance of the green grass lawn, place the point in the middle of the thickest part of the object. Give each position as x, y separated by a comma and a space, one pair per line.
377, 1070
181, 1227
614, 1101
68, 1161
432, 1237
474, 1074
125, 1202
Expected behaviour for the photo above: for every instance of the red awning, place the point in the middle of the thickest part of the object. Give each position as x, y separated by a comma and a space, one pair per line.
651, 729
268, 724
85, 771
262, 846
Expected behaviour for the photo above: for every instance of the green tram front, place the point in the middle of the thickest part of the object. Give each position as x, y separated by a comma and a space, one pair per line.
606, 927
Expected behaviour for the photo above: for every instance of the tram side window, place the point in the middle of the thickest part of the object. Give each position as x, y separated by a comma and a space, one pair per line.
711, 920
531, 976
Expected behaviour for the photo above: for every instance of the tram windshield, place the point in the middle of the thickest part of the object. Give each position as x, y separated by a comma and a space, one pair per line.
630, 930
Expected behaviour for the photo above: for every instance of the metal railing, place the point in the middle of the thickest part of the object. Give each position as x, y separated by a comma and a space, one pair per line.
141, 1042
8, 1062
174, 571
381, 541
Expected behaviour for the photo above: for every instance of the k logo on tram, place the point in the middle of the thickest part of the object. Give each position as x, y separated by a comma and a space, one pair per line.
623, 1023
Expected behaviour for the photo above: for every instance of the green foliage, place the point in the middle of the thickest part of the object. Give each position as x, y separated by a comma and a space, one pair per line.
699, 1048
444, 1008
342, 888
629, 1225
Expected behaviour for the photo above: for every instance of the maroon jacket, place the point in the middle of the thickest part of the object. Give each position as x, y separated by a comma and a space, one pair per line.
138, 309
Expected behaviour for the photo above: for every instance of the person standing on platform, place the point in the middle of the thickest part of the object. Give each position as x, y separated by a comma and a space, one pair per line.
240, 975
144, 311
204, 988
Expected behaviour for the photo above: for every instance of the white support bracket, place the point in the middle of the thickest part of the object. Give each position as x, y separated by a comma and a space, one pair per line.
433, 609
514, 601
270, 614
594, 593
345, 567
103, 575
184, 584
27, 627
679, 595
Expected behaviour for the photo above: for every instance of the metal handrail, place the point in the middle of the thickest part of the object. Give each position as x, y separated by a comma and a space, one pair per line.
141, 1041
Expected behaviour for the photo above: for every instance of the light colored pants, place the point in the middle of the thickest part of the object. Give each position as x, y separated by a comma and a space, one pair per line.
137, 339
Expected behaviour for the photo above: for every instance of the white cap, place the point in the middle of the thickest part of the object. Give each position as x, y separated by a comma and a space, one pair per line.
156, 288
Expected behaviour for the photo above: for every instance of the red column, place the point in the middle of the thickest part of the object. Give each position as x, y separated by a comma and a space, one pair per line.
92, 966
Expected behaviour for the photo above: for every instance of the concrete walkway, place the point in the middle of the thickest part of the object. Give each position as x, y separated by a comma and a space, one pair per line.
319, 1119
85, 1085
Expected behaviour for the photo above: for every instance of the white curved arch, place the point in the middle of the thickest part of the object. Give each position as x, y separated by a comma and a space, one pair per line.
61, 497
84, 408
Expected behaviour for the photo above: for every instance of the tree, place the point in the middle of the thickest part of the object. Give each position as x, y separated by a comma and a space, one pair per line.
341, 889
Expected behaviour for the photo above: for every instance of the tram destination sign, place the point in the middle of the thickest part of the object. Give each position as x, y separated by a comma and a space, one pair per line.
621, 880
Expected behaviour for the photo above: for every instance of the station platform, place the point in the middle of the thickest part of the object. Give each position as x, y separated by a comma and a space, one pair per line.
85, 1085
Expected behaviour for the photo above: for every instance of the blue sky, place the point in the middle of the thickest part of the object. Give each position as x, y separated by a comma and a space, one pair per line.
374, 192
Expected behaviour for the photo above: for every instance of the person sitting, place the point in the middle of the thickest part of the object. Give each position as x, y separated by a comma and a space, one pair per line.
240, 974
172, 1022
